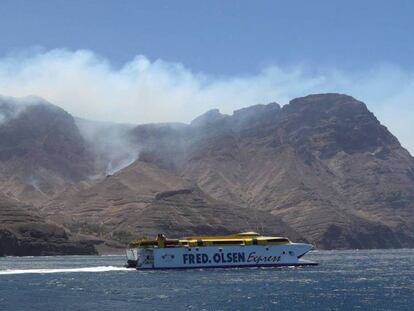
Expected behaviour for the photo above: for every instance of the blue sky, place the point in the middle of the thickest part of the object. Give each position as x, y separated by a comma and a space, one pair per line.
188, 56
222, 37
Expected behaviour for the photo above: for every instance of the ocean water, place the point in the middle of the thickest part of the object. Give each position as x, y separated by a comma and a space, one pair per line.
344, 280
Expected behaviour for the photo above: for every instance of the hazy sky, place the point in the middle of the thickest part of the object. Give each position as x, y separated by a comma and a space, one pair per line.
132, 61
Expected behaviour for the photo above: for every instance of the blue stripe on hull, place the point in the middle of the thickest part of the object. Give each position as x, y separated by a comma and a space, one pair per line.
310, 263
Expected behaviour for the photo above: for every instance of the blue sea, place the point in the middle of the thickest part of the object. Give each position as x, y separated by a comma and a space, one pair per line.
344, 280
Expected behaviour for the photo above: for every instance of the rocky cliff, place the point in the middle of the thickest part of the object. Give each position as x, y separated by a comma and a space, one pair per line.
41, 153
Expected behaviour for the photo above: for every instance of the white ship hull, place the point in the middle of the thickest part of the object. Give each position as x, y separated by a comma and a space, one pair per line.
219, 256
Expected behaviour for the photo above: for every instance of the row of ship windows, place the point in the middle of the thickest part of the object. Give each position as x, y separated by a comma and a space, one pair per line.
220, 250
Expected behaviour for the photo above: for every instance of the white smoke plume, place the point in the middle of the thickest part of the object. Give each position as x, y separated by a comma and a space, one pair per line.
110, 144
142, 91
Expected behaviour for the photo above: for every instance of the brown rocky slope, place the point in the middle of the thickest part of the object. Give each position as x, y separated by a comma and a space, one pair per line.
143, 200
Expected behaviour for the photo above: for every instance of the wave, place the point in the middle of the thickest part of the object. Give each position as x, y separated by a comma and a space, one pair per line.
65, 270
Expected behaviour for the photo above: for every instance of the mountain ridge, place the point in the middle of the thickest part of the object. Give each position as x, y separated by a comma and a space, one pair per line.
320, 169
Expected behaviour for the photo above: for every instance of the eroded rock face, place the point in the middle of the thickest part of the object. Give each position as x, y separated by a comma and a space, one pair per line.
23, 232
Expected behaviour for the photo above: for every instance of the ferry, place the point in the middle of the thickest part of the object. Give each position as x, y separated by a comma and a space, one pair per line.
246, 249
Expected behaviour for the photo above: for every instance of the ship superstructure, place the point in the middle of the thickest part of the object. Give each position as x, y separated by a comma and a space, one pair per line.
246, 249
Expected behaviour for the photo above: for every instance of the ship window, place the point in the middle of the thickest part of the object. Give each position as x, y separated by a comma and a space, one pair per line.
234, 242
196, 249
267, 248
284, 252
220, 249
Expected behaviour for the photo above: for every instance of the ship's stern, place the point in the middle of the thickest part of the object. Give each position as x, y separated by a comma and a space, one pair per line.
132, 257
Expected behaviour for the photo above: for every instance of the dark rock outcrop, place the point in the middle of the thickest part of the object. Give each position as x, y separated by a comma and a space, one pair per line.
23, 232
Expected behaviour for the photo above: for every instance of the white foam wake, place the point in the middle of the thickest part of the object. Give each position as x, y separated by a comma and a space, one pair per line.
67, 270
